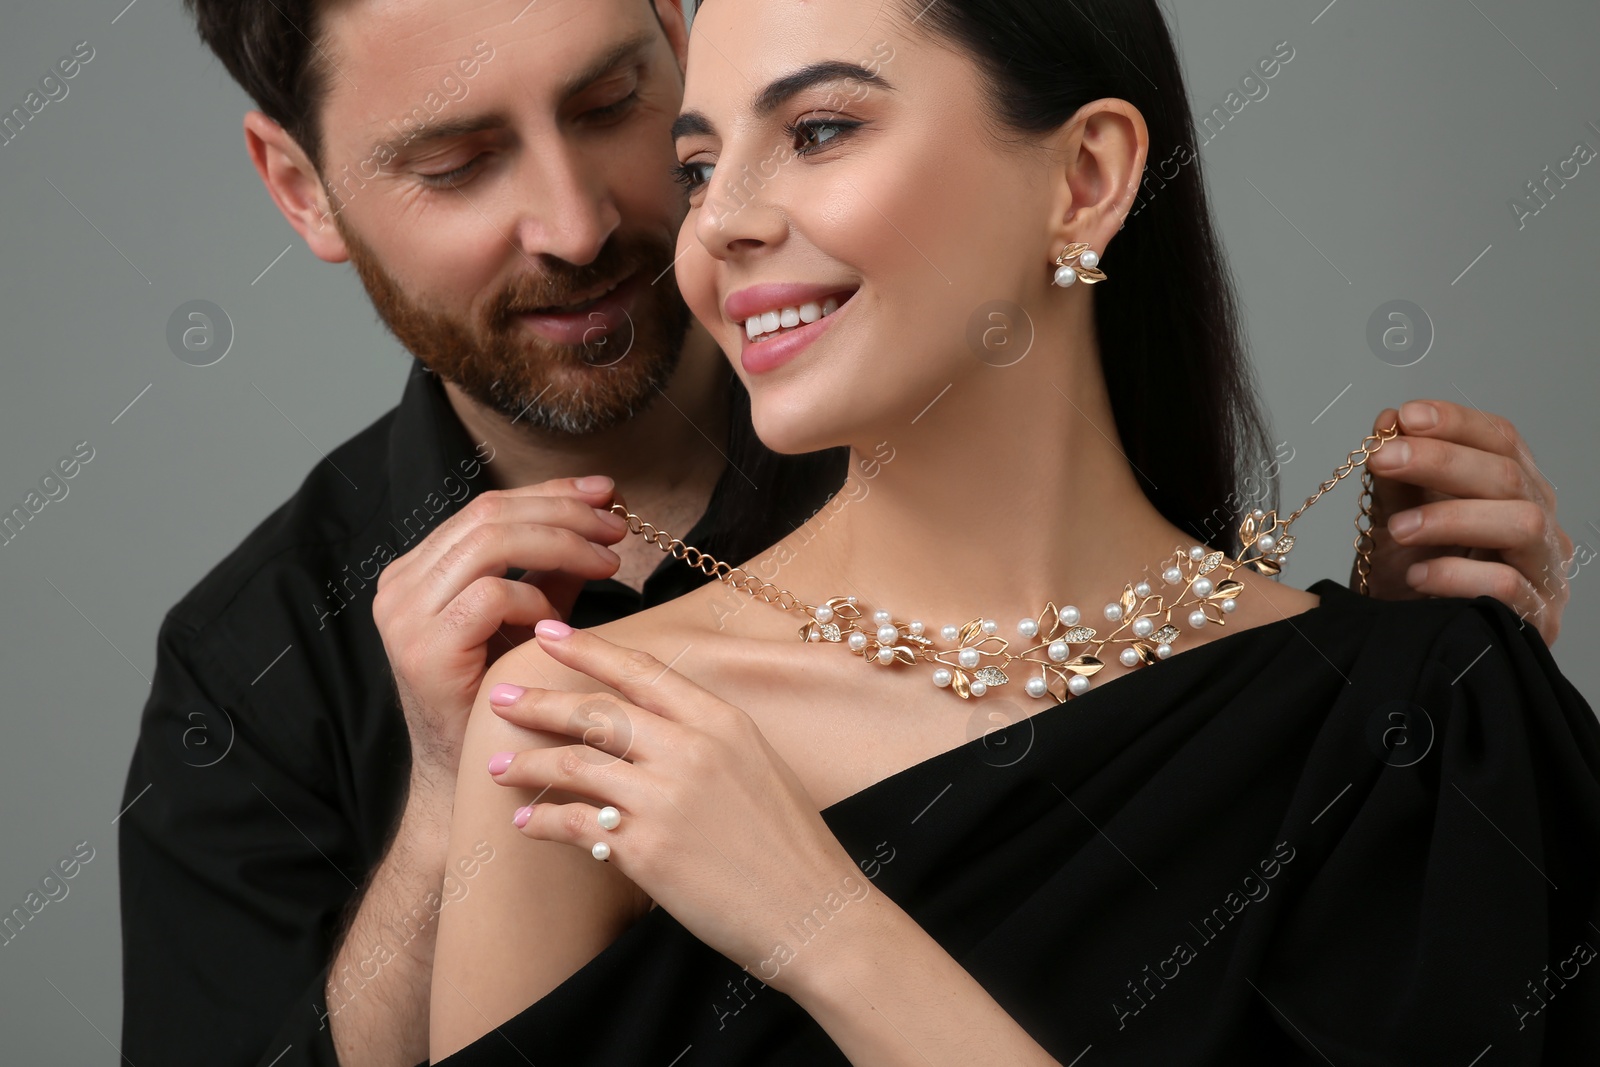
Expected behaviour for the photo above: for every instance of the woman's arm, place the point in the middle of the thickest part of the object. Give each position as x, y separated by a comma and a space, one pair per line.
535, 913
721, 833
888, 994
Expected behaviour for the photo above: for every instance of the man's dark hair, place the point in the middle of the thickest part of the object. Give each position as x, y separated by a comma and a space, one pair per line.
276, 51
273, 49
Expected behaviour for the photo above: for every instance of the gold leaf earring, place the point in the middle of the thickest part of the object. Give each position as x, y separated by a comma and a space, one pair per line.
1076, 261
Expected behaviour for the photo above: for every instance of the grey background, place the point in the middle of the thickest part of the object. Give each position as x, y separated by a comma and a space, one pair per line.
1378, 167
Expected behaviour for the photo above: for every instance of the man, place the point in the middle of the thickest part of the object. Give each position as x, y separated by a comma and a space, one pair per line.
499, 176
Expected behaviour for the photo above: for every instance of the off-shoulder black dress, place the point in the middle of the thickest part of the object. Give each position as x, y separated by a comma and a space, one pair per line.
1365, 834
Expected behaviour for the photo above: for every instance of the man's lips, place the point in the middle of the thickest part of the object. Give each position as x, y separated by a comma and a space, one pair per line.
599, 314
580, 302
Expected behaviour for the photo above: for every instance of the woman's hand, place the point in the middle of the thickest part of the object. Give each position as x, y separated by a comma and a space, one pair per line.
715, 826
1461, 510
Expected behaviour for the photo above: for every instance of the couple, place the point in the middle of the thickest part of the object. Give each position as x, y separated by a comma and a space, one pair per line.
692, 834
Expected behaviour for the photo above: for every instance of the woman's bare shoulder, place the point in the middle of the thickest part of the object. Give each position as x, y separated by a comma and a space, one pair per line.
662, 630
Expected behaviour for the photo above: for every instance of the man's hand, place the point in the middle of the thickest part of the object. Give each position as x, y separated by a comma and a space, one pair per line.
1460, 509
446, 609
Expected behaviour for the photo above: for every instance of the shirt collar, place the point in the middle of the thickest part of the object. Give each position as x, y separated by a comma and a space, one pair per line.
434, 468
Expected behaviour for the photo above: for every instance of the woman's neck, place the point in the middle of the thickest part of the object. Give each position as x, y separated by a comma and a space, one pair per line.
1011, 490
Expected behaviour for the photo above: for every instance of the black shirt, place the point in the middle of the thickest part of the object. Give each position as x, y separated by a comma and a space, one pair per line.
1368, 833
273, 757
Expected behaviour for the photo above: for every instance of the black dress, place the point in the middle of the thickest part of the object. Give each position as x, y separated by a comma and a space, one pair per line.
1366, 834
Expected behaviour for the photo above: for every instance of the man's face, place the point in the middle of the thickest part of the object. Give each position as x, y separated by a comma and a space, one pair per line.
497, 165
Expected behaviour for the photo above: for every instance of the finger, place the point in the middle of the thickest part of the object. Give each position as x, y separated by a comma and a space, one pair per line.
1457, 576
1474, 428
641, 678
558, 502
559, 587
1452, 469
570, 824
1517, 529
1445, 420
490, 551
487, 607
571, 769
606, 725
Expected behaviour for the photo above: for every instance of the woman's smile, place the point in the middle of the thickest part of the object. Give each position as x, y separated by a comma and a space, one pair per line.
780, 321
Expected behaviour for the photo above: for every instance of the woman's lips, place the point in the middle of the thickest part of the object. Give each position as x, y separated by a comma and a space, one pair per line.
591, 322
774, 350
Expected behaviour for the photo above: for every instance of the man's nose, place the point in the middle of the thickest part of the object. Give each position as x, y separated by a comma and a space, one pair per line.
567, 210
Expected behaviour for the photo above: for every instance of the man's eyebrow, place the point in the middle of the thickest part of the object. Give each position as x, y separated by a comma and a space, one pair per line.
441, 131
778, 92
630, 50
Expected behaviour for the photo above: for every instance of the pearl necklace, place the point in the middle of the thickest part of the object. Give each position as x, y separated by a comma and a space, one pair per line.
1062, 654
977, 657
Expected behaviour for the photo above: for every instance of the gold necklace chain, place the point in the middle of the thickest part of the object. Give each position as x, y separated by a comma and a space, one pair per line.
979, 657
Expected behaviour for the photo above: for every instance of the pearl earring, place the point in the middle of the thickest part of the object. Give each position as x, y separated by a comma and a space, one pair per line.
1068, 272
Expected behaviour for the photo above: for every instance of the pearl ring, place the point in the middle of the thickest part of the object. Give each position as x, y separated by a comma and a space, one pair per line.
609, 819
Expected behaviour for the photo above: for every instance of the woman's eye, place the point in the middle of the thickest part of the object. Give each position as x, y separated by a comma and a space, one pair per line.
812, 134
449, 177
692, 175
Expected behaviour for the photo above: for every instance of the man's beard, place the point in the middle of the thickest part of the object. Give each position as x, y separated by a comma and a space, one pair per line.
501, 364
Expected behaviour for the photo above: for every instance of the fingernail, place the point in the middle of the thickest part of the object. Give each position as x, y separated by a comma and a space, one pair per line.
553, 629
605, 554
1406, 522
594, 483
505, 693
1416, 574
520, 819
612, 519
499, 762
1393, 455
1419, 416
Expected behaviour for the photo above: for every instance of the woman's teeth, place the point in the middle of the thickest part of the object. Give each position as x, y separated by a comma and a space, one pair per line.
756, 327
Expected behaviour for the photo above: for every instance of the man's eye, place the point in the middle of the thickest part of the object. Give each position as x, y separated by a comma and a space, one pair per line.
614, 110
449, 177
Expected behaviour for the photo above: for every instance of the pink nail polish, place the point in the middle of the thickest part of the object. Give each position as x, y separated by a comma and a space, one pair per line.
505, 693
522, 816
554, 629
499, 762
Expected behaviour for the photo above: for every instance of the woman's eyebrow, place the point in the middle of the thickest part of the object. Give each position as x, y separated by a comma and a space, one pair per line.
779, 91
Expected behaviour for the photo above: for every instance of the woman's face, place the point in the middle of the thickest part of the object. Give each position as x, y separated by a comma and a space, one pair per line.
838, 161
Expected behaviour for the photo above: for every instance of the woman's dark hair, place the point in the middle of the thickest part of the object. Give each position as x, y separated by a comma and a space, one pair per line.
1171, 347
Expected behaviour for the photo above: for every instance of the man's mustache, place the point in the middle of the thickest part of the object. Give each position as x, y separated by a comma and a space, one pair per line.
563, 286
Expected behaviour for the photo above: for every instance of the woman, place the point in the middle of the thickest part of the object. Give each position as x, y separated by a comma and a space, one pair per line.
1331, 830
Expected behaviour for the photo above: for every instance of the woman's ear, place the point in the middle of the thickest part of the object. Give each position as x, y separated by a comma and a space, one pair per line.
1099, 161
